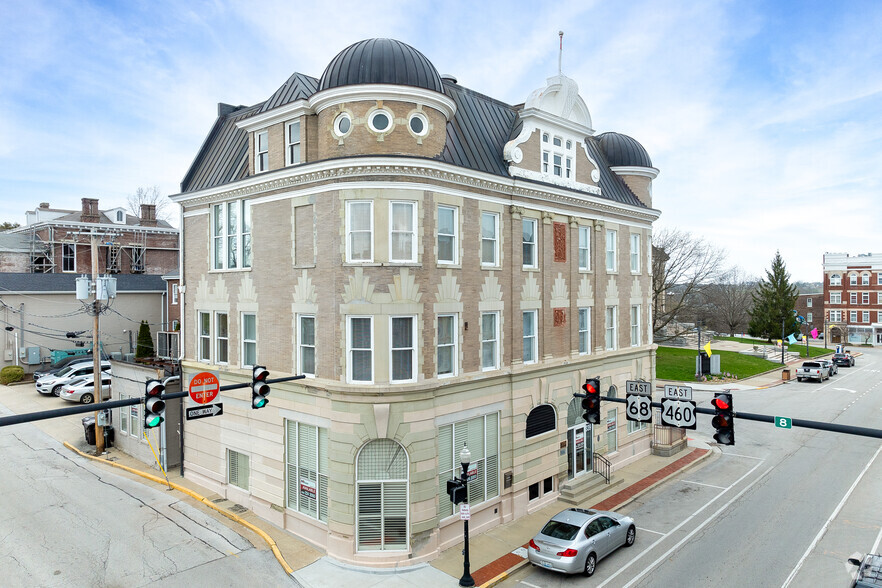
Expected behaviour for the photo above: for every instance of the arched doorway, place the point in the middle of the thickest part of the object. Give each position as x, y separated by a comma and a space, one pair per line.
835, 335
579, 446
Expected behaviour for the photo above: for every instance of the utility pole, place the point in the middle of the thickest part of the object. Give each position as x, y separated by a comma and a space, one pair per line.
96, 352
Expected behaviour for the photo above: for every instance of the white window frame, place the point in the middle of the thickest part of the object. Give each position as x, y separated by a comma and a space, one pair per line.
261, 155
852, 316
350, 350
385, 504
585, 249
350, 204
612, 416
491, 339
878, 297
389, 116
852, 298
246, 342
879, 279
611, 251
247, 464
808, 302
865, 297
531, 245
808, 317
611, 339
865, 316
636, 426
301, 346
635, 325
218, 339
297, 470
175, 293
69, 257
836, 279
452, 347
404, 233
835, 316
835, 297
222, 235
452, 236
865, 279
852, 280
494, 239
879, 316
450, 443
204, 339
291, 145
411, 350
531, 340
343, 116
635, 253
584, 334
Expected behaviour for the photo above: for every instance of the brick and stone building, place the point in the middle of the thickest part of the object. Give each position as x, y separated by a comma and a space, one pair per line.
853, 298
444, 268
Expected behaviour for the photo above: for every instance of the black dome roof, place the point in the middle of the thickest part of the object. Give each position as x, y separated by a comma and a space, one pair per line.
623, 151
381, 61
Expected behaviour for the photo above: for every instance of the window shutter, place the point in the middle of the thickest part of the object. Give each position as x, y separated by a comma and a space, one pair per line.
541, 420
395, 515
291, 463
492, 461
445, 468
369, 528
307, 462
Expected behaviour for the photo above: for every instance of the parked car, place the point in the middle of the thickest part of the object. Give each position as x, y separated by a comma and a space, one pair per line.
82, 389
61, 365
812, 370
843, 359
51, 384
869, 573
832, 368
575, 539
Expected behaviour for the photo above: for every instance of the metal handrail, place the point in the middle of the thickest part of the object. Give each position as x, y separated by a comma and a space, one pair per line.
604, 466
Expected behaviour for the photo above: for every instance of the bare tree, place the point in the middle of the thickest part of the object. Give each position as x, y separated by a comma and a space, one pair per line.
150, 195
682, 266
729, 301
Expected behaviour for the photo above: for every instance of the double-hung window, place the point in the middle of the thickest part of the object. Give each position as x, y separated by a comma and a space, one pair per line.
238, 469
306, 344
360, 346
611, 250
481, 436
261, 152
635, 326
529, 231
879, 279
205, 337
808, 302
635, 253
222, 338
836, 316
292, 142
852, 280
584, 330
852, 298
489, 340
231, 235
446, 346
835, 297
359, 231
489, 239
852, 316
865, 298
611, 312
865, 279
69, 257
249, 339
878, 297
447, 234
530, 340
865, 316
585, 248
402, 232
403, 349
175, 292
306, 464
808, 317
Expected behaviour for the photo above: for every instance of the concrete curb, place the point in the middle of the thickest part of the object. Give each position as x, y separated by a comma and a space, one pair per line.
712, 451
260, 532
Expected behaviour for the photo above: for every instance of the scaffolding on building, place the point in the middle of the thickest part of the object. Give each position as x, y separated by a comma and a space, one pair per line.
139, 250
42, 253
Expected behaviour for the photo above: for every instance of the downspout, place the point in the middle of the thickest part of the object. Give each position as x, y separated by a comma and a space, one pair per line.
182, 309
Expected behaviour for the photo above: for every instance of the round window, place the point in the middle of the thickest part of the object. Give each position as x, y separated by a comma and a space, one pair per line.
380, 121
342, 124
418, 124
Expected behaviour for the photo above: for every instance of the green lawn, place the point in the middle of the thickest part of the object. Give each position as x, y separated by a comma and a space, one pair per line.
747, 340
675, 363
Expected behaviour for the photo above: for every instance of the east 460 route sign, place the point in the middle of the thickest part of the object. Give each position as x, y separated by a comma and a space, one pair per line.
678, 410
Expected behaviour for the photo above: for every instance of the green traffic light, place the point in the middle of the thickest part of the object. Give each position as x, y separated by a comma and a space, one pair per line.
260, 402
153, 421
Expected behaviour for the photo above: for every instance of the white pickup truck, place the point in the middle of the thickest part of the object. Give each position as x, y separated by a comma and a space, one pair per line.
812, 370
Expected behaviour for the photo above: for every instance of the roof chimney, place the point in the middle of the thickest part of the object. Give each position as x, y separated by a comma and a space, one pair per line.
44, 205
148, 215
90, 211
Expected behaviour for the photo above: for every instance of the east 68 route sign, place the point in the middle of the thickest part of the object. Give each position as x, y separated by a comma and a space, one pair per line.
638, 402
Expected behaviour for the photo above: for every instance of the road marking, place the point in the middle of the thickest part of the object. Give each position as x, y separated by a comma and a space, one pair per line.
530, 585
700, 484
829, 520
650, 531
744, 456
686, 520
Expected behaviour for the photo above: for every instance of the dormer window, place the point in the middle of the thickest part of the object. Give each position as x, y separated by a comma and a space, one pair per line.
261, 159
558, 156
119, 216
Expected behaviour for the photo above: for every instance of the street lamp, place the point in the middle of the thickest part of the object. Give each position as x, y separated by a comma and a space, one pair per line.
465, 456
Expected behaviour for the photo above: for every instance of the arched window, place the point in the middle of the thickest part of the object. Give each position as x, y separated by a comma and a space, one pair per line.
541, 420
835, 280
119, 216
574, 413
381, 491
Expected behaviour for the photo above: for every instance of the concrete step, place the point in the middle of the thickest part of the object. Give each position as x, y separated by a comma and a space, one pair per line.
583, 488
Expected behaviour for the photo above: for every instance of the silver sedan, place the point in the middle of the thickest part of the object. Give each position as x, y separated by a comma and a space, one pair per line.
574, 540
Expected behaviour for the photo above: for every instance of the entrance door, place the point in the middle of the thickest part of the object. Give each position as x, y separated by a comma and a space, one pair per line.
578, 450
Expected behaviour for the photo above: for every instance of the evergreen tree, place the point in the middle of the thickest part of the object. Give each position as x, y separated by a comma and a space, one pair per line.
773, 302
144, 347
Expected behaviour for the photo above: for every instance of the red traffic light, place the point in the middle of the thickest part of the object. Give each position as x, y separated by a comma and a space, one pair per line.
591, 386
721, 402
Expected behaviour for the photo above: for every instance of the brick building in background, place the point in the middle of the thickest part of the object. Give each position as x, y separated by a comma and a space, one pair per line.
445, 268
853, 298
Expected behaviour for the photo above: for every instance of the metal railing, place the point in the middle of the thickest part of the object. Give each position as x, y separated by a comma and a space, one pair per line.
602, 466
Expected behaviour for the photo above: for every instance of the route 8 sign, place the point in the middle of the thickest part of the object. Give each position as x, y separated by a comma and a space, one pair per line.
678, 413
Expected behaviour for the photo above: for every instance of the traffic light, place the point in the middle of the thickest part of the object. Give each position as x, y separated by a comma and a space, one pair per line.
259, 387
457, 491
154, 405
591, 402
724, 419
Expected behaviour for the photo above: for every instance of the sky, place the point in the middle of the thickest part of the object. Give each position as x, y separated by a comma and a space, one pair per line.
764, 118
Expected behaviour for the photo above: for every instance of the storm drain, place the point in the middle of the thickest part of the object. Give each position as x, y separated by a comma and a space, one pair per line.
237, 509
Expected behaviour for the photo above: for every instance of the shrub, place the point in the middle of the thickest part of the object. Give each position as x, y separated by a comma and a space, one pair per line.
145, 341
11, 373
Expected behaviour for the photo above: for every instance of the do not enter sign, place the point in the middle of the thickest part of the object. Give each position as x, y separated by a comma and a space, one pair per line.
204, 387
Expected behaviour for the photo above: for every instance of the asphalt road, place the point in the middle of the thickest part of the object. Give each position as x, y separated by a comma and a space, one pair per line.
782, 507
65, 522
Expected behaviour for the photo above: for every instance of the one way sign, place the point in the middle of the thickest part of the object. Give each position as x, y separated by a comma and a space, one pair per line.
209, 410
